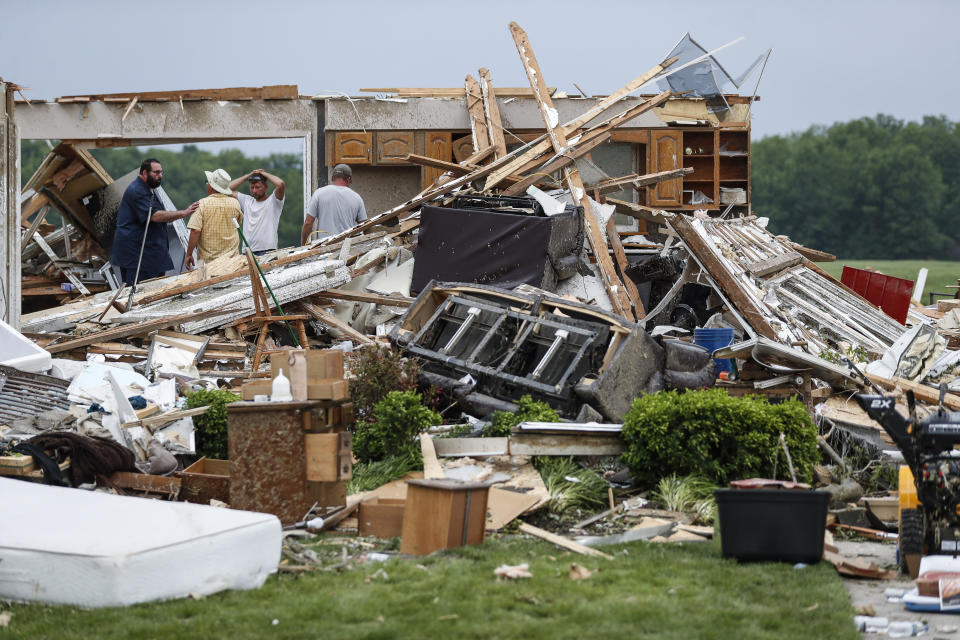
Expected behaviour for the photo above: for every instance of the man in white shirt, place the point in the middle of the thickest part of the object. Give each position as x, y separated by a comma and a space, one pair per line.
333, 208
261, 211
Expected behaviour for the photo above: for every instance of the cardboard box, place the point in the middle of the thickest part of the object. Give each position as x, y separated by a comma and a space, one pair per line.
381, 517
321, 363
254, 388
329, 389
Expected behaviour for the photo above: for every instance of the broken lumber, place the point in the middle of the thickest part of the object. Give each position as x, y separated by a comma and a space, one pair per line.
558, 139
133, 329
491, 112
332, 321
560, 541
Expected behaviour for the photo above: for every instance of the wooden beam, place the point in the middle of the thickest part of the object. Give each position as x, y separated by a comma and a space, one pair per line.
724, 279
638, 211
615, 288
270, 92
363, 296
133, 329
921, 391
618, 95
491, 111
478, 121
332, 321
33, 205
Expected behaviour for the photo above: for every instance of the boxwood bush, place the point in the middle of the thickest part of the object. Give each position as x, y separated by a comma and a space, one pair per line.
392, 429
717, 436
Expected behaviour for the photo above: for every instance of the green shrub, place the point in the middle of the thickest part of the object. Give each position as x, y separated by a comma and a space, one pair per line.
571, 486
393, 427
528, 410
719, 437
690, 494
378, 370
367, 476
212, 425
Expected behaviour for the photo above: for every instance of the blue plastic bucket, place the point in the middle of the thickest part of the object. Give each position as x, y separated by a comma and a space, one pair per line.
713, 339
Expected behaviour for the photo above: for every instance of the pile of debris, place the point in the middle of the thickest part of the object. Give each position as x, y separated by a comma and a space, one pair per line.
520, 290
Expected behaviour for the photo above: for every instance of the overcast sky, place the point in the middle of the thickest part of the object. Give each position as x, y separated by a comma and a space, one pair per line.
832, 60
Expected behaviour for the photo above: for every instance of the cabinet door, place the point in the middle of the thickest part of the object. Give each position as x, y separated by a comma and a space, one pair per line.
437, 145
393, 146
353, 147
463, 148
665, 153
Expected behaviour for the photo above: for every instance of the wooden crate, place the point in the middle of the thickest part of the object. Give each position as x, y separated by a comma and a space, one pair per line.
205, 480
442, 514
381, 517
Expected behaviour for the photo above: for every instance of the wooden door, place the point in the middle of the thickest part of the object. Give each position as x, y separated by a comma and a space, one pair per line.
665, 153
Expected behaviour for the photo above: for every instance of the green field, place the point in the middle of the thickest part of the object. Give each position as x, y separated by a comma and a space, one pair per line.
940, 272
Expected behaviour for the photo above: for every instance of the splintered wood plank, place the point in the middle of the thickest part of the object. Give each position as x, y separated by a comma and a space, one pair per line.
767, 266
492, 112
332, 321
612, 283
478, 121
618, 95
542, 144
562, 542
556, 164
724, 279
622, 263
431, 466
363, 296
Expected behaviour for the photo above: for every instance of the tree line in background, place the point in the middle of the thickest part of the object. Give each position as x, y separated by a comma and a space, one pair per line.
183, 177
869, 188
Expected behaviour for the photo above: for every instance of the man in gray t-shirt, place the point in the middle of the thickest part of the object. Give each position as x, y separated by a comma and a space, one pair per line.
333, 208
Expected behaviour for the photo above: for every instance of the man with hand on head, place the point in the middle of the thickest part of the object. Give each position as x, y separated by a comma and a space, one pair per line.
261, 210
211, 226
333, 208
141, 212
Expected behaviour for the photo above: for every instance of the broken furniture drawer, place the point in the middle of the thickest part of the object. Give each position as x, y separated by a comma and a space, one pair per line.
205, 480
381, 517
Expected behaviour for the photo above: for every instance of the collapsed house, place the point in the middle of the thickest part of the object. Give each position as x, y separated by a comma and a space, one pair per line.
548, 245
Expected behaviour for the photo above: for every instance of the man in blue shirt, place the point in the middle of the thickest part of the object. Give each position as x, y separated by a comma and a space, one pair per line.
139, 203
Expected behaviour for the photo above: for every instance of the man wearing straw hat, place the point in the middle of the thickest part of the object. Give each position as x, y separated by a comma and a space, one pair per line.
211, 226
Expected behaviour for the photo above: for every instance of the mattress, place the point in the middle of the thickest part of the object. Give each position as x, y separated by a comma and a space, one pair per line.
70, 546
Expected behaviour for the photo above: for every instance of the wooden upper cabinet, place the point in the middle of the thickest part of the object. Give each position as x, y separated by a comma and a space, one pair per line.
463, 148
353, 147
666, 153
439, 145
392, 147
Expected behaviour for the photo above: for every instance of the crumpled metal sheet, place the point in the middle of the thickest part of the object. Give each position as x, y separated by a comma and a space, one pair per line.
24, 395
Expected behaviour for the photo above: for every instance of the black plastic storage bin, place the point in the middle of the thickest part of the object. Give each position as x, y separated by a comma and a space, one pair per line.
772, 524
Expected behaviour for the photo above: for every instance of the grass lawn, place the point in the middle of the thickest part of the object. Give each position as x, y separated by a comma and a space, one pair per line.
647, 591
940, 272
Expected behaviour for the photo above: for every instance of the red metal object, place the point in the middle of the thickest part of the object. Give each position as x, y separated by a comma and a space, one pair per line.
889, 293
